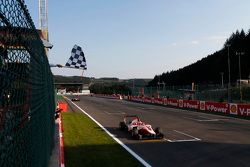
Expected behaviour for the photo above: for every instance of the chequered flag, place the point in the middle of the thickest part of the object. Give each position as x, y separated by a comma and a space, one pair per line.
77, 59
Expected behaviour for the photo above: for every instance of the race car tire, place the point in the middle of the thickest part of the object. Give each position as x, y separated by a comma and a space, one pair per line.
158, 132
139, 137
161, 135
134, 132
122, 126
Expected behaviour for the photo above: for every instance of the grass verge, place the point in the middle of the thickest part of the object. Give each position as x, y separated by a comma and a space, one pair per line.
59, 97
86, 144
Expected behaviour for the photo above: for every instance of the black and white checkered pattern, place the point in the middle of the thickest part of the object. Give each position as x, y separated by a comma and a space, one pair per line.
77, 59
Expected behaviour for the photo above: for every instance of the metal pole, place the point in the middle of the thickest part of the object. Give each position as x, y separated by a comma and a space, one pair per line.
164, 88
240, 53
82, 81
229, 79
222, 84
240, 79
133, 92
151, 91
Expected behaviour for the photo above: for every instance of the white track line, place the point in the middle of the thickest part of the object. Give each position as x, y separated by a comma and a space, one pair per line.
191, 118
206, 119
203, 120
145, 108
215, 119
209, 120
195, 138
115, 113
116, 139
184, 140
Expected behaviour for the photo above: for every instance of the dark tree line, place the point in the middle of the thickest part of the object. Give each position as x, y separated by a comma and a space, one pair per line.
209, 69
71, 79
101, 88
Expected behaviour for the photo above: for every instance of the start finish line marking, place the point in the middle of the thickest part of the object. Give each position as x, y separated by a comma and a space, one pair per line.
183, 140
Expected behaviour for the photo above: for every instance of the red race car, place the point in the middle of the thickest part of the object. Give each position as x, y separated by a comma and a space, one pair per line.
138, 129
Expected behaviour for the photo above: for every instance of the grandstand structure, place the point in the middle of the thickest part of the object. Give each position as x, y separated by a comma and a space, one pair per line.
43, 24
43, 18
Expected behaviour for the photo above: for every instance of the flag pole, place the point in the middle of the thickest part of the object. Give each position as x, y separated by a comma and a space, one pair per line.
82, 78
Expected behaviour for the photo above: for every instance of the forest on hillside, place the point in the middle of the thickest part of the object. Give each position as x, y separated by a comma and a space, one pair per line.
210, 69
104, 85
71, 79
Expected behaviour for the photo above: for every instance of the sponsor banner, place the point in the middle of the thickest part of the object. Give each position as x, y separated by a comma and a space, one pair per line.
147, 100
113, 97
137, 98
141, 99
243, 109
217, 107
233, 109
180, 103
202, 105
158, 100
165, 101
172, 102
192, 104
132, 98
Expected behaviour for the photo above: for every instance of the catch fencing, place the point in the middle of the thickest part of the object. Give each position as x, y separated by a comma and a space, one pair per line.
27, 101
201, 92
241, 110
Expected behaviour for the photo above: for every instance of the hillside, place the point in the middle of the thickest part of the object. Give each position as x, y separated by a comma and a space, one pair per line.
103, 85
106, 81
71, 79
209, 69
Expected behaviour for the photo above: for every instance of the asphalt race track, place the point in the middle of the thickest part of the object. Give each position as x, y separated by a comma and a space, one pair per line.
191, 138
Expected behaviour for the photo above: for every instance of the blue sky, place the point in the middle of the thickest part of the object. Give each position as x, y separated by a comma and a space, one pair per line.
139, 38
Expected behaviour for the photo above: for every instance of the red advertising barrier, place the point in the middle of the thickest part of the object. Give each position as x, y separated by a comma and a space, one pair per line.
61, 147
147, 99
172, 102
217, 107
137, 98
192, 104
158, 100
226, 108
165, 101
242, 109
